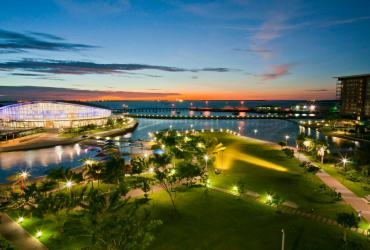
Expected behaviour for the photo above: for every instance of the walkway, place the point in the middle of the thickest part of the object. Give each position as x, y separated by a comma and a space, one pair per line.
19, 237
357, 203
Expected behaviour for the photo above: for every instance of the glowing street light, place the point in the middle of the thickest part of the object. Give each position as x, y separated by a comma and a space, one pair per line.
286, 139
39, 234
24, 175
69, 184
20, 219
235, 188
255, 131
269, 198
344, 161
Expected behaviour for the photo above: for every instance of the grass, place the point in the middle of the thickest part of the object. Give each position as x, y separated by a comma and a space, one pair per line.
356, 187
212, 220
264, 168
221, 221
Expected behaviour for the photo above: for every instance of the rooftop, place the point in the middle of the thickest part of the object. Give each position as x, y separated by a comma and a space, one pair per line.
352, 76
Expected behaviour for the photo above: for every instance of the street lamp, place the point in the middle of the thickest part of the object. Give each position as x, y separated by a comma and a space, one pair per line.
69, 184
39, 234
255, 131
269, 198
206, 159
20, 219
286, 139
24, 175
344, 162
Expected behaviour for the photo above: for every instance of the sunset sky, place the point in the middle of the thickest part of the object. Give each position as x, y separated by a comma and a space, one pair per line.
172, 49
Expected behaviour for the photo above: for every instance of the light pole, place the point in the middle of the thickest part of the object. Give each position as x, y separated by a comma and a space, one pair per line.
344, 161
282, 239
24, 176
286, 140
206, 160
69, 187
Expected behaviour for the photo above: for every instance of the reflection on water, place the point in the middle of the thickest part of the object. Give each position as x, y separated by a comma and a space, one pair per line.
40, 160
270, 130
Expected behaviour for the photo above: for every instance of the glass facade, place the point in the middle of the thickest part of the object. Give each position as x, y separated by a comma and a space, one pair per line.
51, 115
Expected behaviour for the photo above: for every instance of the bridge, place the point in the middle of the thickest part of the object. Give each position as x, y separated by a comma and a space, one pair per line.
228, 117
202, 109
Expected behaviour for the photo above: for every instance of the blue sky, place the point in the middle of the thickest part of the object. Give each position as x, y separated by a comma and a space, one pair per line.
162, 49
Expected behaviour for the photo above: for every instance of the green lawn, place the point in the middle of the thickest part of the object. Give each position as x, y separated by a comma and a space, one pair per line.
356, 187
221, 221
264, 168
209, 221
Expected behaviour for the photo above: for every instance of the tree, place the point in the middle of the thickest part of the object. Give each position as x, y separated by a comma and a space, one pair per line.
139, 164
145, 187
240, 185
113, 223
113, 171
188, 171
347, 220
165, 175
129, 230
321, 150
282, 144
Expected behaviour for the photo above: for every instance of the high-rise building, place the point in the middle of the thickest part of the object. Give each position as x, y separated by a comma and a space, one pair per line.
353, 93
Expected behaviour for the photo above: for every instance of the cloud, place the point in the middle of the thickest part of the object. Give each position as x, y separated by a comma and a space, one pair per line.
50, 93
47, 36
14, 42
317, 90
344, 21
277, 72
254, 50
271, 29
97, 7
83, 68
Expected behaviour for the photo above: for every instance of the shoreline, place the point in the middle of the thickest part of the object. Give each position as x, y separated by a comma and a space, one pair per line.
67, 141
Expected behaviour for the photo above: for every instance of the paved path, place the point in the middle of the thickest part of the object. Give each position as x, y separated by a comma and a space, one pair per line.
19, 237
357, 203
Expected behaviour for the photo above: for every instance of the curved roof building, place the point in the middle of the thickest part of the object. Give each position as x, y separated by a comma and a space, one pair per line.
52, 115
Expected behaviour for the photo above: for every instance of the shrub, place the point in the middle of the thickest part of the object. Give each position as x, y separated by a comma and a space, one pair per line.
5, 244
352, 175
289, 152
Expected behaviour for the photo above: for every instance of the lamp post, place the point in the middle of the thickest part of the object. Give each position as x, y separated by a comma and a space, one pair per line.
69, 185
282, 239
24, 176
344, 162
286, 140
206, 160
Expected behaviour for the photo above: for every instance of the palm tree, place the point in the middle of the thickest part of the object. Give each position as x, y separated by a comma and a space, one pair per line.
89, 173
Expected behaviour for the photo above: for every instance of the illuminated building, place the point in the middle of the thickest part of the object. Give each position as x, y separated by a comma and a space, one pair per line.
48, 114
354, 95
